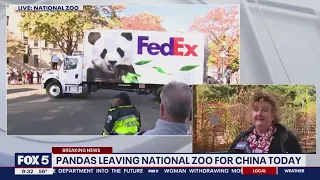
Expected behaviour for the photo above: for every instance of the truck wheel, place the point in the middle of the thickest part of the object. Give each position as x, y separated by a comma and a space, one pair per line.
158, 93
86, 93
54, 90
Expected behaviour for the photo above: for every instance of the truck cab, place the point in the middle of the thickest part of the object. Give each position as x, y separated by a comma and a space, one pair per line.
65, 80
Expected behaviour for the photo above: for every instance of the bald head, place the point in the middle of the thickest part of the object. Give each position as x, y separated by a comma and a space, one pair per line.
177, 101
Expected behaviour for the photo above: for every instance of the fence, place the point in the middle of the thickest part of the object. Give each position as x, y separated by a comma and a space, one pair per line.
236, 118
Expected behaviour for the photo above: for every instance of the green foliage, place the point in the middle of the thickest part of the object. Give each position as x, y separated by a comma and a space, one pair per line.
212, 59
234, 65
62, 26
302, 96
222, 93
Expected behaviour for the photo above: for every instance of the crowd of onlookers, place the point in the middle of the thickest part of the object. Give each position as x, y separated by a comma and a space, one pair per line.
24, 76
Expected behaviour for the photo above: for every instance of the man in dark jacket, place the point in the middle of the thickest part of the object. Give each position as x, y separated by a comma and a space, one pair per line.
123, 117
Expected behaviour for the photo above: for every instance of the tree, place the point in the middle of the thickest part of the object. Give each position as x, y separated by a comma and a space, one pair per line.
142, 21
61, 26
111, 13
223, 28
14, 46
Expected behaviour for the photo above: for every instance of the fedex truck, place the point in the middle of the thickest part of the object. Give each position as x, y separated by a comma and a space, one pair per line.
130, 61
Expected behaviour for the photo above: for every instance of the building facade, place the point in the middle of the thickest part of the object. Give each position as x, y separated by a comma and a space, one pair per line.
41, 52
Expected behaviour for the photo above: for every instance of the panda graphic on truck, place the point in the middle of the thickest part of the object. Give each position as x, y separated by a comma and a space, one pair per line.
111, 56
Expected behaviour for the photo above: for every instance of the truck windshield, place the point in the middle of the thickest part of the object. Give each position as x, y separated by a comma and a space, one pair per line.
70, 63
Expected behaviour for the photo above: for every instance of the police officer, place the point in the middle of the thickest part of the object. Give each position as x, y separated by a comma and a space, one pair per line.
123, 117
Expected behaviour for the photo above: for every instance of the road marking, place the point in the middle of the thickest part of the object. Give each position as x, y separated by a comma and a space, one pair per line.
47, 118
54, 111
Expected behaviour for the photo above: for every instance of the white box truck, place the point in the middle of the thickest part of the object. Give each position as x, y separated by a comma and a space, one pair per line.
130, 61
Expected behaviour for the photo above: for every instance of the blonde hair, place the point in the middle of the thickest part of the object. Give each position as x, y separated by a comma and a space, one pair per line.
273, 100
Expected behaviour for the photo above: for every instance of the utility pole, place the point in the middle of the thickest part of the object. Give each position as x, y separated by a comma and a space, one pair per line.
223, 56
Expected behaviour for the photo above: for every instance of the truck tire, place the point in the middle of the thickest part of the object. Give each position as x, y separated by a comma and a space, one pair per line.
158, 93
54, 90
86, 93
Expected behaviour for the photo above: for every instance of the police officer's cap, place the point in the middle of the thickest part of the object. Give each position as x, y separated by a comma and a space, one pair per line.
124, 97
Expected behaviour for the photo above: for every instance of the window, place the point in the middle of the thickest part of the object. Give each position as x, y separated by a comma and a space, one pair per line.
36, 60
54, 45
8, 60
7, 20
26, 59
63, 44
25, 40
35, 43
70, 63
45, 44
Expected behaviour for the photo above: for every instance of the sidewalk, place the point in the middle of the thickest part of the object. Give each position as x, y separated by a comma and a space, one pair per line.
16, 91
37, 86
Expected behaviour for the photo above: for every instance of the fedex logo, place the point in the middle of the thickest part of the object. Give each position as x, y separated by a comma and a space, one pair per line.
173, 48
33, 160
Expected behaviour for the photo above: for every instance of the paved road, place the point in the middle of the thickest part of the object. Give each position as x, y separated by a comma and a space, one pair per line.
31, 112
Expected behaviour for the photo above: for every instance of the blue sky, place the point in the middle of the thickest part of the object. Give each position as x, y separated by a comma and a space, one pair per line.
176, 17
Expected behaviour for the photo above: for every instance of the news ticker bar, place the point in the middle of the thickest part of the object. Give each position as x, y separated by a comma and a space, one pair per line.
103, 157
48, 7
161, 171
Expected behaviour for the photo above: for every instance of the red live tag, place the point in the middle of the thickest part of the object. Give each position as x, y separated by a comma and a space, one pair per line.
259, 171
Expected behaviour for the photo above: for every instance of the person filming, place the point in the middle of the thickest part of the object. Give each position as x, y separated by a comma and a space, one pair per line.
266, 135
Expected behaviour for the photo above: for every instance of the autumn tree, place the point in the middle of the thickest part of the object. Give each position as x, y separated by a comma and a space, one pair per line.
223, 27
61, 26
14, 46
110, 12
142, 21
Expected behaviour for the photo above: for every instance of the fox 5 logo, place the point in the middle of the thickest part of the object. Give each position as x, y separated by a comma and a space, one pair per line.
33, 160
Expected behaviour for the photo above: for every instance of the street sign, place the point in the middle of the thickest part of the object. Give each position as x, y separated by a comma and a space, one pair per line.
215, 120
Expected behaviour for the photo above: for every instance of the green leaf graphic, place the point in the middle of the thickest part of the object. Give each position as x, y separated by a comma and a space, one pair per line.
124, 78
133, 75
130, 78
160, 70
135, 80
143, 62
188, 68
